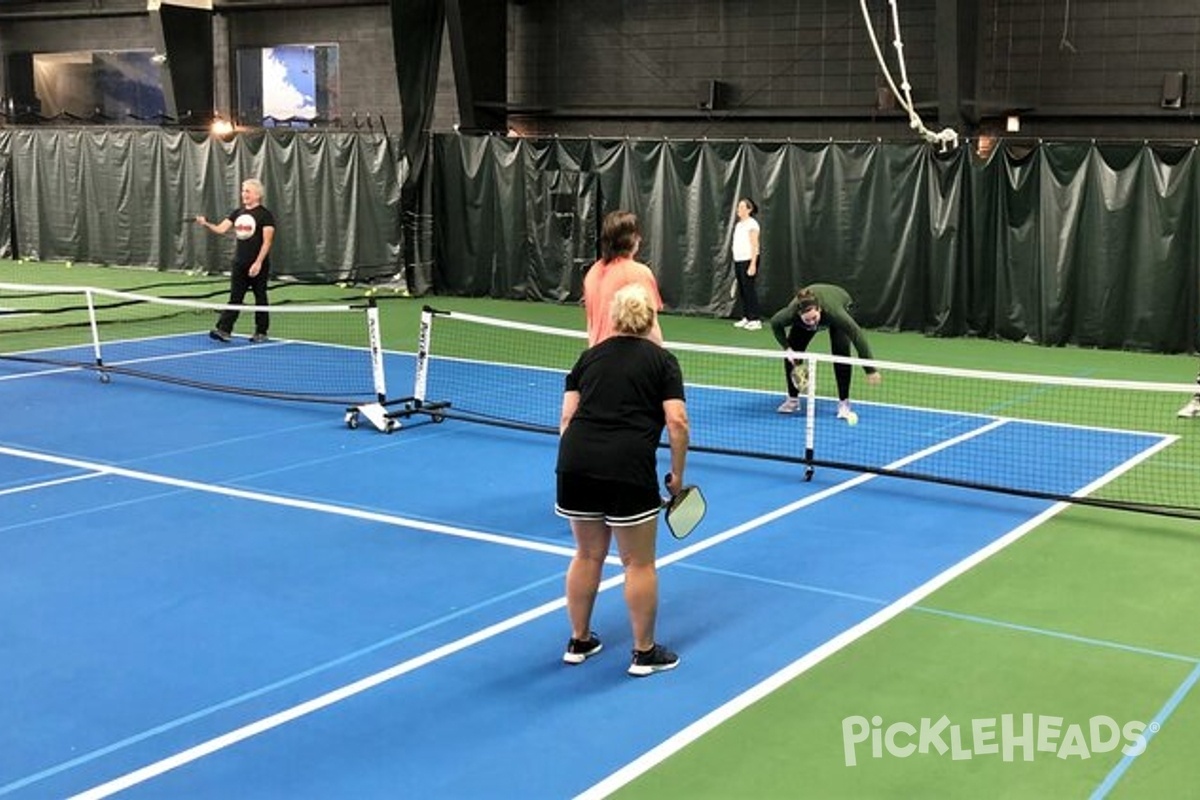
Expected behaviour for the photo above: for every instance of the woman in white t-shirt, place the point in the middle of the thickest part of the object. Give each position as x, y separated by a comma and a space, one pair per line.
746, 262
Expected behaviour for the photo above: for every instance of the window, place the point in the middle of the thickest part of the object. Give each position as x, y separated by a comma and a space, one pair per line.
117, 86
293, 85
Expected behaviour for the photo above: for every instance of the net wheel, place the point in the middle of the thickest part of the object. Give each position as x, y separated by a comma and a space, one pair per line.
351, 419
438, 418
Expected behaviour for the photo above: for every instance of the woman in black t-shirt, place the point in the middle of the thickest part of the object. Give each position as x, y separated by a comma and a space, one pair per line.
619, 396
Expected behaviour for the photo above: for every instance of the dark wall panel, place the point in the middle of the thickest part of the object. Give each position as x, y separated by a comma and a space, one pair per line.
788, 67
1090, 69
807, 70
798, 68
124, 32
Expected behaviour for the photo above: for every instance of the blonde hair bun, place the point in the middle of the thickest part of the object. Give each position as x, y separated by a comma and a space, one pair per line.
632, 310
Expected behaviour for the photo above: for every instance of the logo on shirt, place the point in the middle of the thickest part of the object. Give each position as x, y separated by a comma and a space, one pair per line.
245, 226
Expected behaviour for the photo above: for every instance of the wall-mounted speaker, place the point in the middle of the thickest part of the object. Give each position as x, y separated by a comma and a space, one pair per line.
19, 77
711, 96
1174, 88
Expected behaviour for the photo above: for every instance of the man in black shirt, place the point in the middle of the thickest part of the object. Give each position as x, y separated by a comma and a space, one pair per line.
254, 226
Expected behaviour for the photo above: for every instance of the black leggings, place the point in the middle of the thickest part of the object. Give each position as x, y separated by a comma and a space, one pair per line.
839, 344
745, 284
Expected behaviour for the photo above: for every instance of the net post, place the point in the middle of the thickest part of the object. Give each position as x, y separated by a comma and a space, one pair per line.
375, 412
810, 415
424, 339
375, 344
388, 421
91, 307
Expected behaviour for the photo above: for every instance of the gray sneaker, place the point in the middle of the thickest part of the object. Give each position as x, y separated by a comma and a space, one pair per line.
219, 335
258, 338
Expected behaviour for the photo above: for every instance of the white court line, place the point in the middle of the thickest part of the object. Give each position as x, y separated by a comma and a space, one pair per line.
707, 723
217, 350
42, 485
672, 744
59, 370
804, 502
653, 757
16, 376
295, 712
267, 723
291, 502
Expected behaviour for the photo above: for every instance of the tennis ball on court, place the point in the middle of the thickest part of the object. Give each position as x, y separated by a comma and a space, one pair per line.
342, 284
852, 419
69, 265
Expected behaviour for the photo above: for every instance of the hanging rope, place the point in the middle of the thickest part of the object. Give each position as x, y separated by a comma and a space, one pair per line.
1064, 43
947, 138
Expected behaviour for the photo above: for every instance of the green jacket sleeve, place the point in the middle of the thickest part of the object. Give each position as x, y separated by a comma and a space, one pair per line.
783, 318
840, 318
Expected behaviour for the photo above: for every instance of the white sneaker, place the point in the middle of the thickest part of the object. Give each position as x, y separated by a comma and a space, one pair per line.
753, 325
741, 323
789, 406
1192, 409
844, 411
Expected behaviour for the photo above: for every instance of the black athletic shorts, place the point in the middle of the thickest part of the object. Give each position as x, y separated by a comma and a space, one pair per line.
618, 504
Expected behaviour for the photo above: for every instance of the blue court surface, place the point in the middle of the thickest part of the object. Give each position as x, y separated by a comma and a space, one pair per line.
208, 595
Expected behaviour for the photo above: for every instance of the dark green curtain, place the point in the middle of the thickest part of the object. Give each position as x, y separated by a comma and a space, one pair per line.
1092, 244
417, 28
1064, 242
125, 196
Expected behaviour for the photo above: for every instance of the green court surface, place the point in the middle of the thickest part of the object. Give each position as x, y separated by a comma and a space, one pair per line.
1089, 616
1092, 614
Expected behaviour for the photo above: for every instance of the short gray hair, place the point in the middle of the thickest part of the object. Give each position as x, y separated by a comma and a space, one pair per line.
255, 185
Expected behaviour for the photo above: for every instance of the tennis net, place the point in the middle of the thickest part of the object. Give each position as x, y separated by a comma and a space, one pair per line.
1105, 443
315, 353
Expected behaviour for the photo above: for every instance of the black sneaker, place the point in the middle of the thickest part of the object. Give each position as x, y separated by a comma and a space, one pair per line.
219, 335
258, 338
656, 659
580, 650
